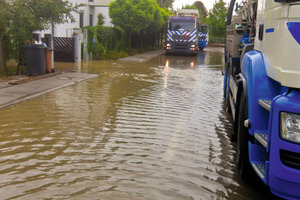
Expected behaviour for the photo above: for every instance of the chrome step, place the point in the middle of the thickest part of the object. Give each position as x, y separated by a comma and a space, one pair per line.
260, 169
262, 138
265, 103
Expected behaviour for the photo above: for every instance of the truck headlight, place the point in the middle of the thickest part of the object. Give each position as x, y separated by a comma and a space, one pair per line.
290, 127
192, 46
168, 44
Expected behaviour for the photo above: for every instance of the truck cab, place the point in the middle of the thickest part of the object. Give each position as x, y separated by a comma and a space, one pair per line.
262, 91
203, 36
182, 35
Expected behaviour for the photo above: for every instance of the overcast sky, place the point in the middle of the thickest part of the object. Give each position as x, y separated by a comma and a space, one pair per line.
208, 3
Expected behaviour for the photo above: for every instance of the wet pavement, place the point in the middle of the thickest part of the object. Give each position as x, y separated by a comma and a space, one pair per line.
150, 130
13, 94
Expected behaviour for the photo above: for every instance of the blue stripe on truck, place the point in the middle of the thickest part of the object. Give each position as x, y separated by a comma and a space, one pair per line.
294, 28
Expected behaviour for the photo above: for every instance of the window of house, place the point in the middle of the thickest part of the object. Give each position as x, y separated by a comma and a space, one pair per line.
91, 20
81, 18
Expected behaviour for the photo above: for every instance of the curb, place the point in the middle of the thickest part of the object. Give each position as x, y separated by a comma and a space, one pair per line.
22, 99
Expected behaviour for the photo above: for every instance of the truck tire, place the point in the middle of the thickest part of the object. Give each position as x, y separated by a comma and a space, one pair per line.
226, 75
243, 165
226, 87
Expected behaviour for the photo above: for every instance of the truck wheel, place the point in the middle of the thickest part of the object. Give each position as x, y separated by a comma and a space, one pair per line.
226, 77
243, 165
226, 88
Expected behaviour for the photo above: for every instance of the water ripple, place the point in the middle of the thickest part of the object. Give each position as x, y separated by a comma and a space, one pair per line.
138, 131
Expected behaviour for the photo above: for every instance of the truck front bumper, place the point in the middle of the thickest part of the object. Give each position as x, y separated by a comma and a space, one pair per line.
181, 47
284, 163
202, 44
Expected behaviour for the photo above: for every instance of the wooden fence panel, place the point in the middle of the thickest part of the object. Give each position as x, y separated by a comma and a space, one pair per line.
63, 49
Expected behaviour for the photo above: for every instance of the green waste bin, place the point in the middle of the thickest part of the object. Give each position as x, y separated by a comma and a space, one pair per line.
35, 59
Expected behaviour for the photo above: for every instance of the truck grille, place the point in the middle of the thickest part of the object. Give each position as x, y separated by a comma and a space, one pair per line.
290, 159
180, 46
181, 37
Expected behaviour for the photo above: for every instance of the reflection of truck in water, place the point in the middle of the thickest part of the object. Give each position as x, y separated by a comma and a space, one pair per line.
203, 36
262, 91
182, 36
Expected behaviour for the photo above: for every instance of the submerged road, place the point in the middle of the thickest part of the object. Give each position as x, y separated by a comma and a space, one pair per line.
140, 130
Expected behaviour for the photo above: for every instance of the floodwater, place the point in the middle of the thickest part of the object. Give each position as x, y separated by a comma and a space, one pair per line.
153, 130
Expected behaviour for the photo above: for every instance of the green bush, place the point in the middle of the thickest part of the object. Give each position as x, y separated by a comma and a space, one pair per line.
103, 41
111, 43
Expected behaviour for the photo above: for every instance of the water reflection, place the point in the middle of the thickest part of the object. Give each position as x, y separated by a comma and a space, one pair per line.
153, 130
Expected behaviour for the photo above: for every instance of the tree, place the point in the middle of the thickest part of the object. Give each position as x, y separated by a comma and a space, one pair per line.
53, 12
201, 16
189, 7
165, 3
27, 16
217, 19
132, 15
161, 16
100, 19
201, 8
3, 30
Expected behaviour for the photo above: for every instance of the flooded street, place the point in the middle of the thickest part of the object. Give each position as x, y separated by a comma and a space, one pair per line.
153, 130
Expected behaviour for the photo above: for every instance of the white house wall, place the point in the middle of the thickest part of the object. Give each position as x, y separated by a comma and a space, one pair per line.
98, 6
105, 12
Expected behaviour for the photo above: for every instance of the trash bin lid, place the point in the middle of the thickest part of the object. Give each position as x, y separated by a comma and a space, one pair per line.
34, 46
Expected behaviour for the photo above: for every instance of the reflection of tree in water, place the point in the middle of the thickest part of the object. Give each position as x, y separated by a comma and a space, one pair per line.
201, 58
214, 58
188, 26
176, 27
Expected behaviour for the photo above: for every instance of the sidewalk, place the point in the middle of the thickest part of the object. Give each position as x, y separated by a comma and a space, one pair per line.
143, 57
22, 92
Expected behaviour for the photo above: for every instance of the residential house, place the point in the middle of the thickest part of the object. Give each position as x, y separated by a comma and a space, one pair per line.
87, 16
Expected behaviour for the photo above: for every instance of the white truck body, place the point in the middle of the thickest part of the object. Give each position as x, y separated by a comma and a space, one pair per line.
280, 49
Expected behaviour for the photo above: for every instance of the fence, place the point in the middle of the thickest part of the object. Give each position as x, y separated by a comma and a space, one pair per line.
220, 40
63, 49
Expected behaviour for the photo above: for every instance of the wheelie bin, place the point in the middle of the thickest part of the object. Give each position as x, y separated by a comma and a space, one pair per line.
35, 59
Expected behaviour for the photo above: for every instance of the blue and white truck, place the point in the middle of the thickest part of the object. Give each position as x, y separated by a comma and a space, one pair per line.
203, 36
262, 91
182, 35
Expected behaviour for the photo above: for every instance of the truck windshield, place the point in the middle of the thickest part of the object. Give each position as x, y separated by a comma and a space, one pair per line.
204, 29
182, 26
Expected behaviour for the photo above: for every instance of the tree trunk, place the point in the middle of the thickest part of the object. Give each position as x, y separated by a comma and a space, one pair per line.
19, 61
3, 67
52, 28
129, 42
141, 41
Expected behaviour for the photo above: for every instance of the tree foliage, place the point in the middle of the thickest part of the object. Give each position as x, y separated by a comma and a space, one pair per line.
21, 18
103, 40
3, 30
161, 16
201, 7
194, 6
189, 7
165, 3
100, 19
217, 19
54, 11
137, 15
27, 16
